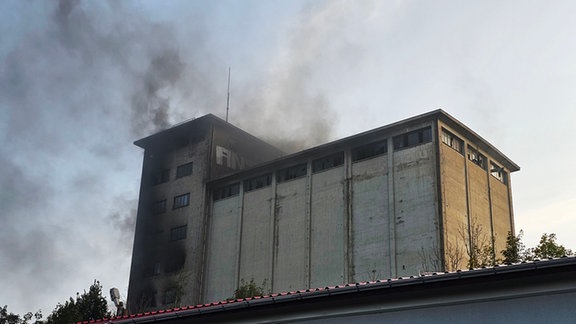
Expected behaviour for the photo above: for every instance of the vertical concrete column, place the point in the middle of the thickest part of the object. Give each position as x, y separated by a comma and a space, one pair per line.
308, 221
274, 213
391, 209
348, 208
239, 234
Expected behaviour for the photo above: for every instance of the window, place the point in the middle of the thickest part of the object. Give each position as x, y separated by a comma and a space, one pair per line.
453, 141
184, 170
181, 201
297, 171
169, 296
227, 191
161, 176
156, 269
258, 182
178, 233
159, 207
417, 137
476, 157
369, 150
498, 172
328, 162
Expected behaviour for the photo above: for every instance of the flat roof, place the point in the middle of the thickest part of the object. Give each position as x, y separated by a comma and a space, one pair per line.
435, 115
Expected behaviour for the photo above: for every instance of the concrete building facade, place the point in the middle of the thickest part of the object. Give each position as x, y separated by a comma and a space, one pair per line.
410, 197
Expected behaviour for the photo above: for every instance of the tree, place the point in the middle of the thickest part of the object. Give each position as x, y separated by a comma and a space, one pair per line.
515, 250
91, 305
11, 318
480, 250
548, 248
249, 290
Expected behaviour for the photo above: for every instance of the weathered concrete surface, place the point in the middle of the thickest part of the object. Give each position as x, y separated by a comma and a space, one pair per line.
223, 238
370, 219
257, 237
328, 236
292, 242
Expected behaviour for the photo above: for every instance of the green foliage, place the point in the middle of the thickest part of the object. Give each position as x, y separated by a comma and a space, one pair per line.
548, 248
515, 249
91, 305
11, 318
249, 290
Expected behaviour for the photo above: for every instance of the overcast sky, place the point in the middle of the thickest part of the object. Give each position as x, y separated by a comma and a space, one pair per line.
80, 81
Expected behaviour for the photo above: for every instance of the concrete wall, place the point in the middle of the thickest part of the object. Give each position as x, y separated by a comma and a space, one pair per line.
416, 212
371, 246
177, 263
360, 221
476, 206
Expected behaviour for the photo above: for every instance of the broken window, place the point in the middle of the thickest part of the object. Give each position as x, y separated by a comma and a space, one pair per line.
369, 150
181, 201
453, 141
414, 138
178, 233
227, 191
161, 176
498, 172
476, 157
258, 182
159, 207
328, 162
294, 172
184, 170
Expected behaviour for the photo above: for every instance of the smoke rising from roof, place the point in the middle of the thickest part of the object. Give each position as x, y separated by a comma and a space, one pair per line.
77, 86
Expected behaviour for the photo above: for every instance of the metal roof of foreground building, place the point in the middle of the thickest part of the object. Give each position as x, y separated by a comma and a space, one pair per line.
553, 280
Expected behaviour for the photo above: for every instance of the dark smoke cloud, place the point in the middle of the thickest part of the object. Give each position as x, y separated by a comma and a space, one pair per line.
84, 80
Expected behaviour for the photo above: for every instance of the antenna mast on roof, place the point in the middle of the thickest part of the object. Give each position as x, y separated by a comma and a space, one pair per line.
228, 97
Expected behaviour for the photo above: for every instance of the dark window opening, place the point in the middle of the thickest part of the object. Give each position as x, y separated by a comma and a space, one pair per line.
258, 182
297, 171
414, 138
161, 176
453, 141
184, 170
181, 201
159, 207
328, 162
369, 150
169, 296
477, 158
178, 233
498, 172
227, 191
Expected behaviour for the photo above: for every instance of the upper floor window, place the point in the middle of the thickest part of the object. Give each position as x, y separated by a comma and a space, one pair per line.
227, 191
159, 207
498, 172
184, 170
328, 162
161, 176
453, 141
178, 233
258, 182
294, 172
476, 157
417, 137
181, 201
369, 150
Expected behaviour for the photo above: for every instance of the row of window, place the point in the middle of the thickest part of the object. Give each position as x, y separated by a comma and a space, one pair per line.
162, 176
180, 201
371, 150
474, 156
